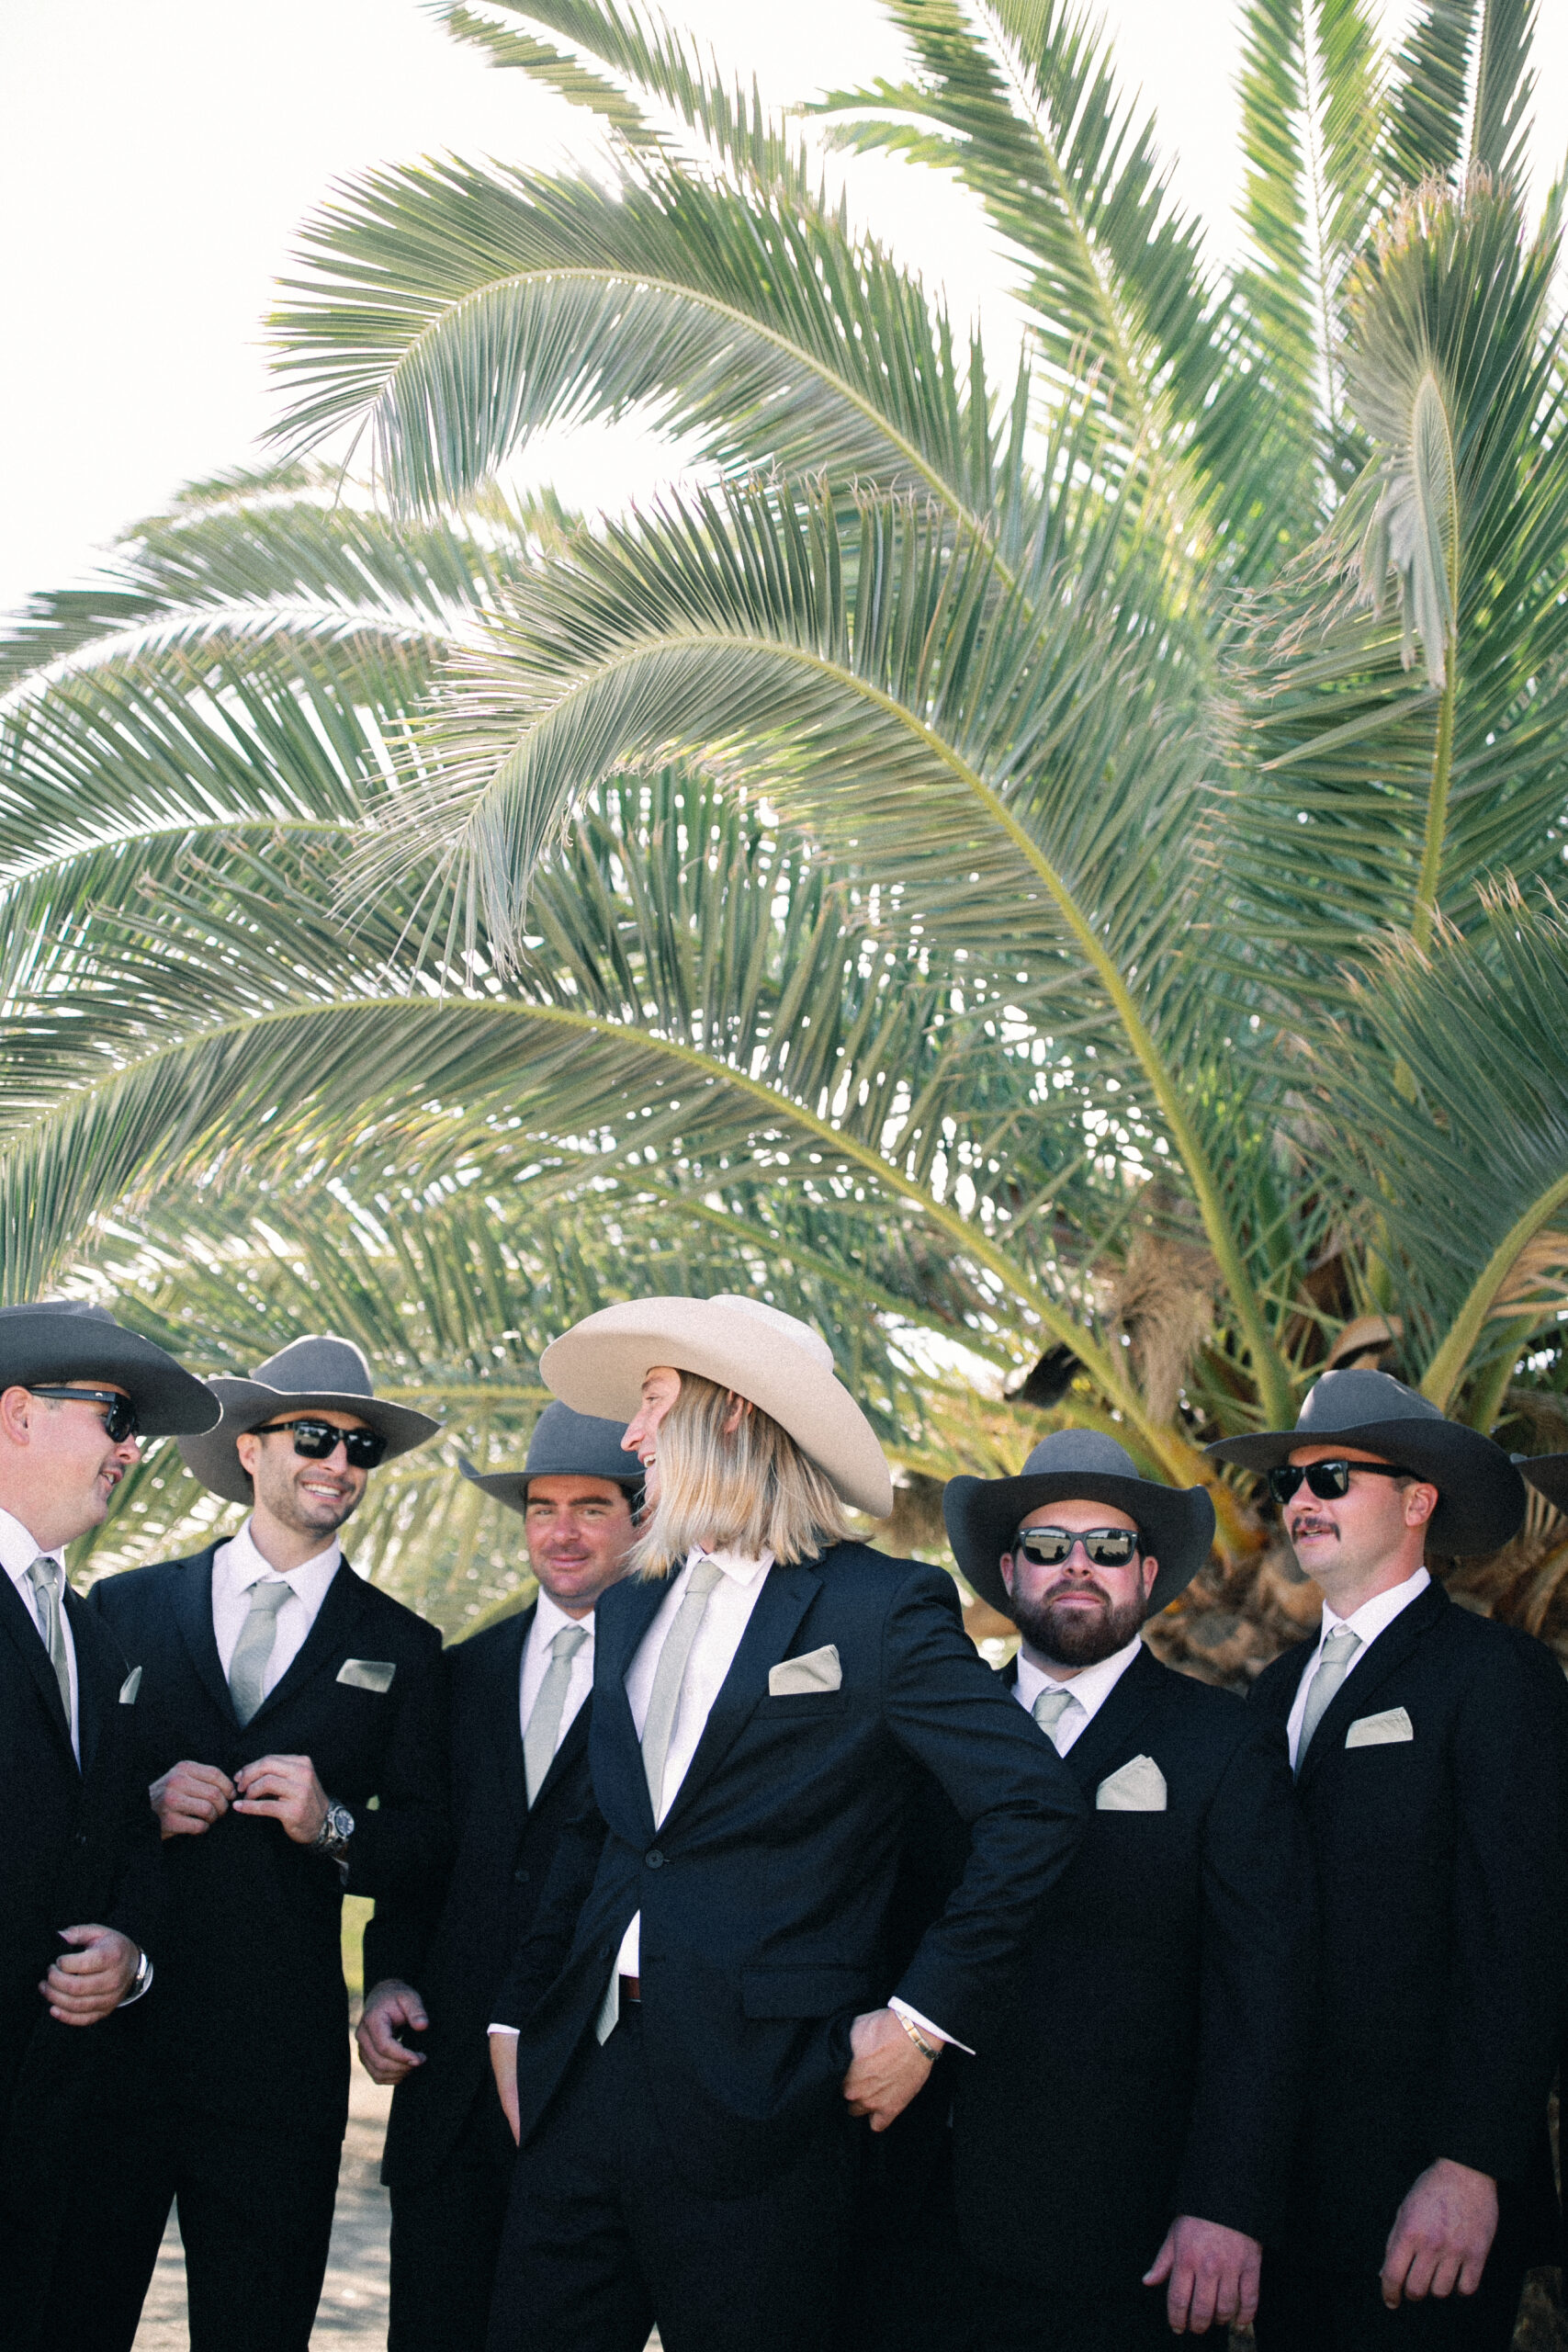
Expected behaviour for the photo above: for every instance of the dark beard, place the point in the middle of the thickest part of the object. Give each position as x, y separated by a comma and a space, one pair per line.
1072, 1636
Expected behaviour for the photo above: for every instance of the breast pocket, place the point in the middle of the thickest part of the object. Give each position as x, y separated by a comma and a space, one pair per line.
799, 1706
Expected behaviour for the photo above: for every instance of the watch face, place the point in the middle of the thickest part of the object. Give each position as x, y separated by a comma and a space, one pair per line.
341, 1821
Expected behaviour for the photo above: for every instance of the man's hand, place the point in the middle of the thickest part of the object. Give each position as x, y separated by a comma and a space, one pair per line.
190, 1798
503, 2065
885, 2070
284, 1788
90, 1982
387, 2006
1441, 2234
1213, 2274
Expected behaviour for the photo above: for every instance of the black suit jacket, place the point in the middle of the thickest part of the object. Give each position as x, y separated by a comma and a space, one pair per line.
1442, 1868
766, 1892
251, 2021
78, 1846
1154, 2053
453, 1941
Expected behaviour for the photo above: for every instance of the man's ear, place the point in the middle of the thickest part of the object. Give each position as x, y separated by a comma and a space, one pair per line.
247, 1447
1420, 1502
1007, 1570
15, 1407
739, 1409
1151, 1570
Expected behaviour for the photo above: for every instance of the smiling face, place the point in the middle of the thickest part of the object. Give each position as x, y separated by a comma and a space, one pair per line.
1363, 1541
59, 1467
580, 1531
660, 1387
307, 1499
1075, 1615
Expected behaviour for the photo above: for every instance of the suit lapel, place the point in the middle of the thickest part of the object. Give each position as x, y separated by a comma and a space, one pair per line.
1385, 1655
785, 1597
622, 1618
193, 1614
1112, 1736
97, 1667
506, 1719
345, 1599
566, 1754
17, 1620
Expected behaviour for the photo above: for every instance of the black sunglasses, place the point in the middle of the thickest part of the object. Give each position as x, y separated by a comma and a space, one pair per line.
1327, 1480
120, 1418
318, 1440
1106, 1547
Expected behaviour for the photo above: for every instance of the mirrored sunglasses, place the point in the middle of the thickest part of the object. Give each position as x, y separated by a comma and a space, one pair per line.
318, 1440
119, 1413
1105, 1547
1327, 1480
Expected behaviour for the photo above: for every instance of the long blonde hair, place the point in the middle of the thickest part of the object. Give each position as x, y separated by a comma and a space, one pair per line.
749, 1489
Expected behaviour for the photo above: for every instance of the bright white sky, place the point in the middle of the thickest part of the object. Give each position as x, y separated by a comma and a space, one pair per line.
158, 156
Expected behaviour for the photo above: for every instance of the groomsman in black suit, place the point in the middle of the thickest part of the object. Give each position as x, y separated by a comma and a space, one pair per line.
1430, 1748
707, 1997
292, 1737
1120, 2145
435, 1958
80, 1875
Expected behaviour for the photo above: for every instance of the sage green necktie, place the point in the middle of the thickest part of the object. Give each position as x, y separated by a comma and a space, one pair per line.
1332, 1667
252, 1651
45, 1577
664, 1699
543, 1734
1049, 1709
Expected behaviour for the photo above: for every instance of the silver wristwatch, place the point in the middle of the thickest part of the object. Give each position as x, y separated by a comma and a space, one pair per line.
332, 1838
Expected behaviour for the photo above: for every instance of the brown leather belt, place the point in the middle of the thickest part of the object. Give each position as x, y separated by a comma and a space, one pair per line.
631, 1988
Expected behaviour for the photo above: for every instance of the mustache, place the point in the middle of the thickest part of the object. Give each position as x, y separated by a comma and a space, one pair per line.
1310, 1523
1075, 1584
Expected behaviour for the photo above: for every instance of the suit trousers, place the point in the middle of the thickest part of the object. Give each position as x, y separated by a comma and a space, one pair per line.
1015, 2316
446, 2237
1302, 2309
255, 2214
604, 2239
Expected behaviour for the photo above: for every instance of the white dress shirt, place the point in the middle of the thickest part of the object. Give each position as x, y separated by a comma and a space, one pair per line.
236, 1567
1089, 1690
18, 1552
548, 1620
1372, 1618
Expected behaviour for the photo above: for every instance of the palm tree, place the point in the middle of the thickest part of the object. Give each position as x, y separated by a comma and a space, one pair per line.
1052, 880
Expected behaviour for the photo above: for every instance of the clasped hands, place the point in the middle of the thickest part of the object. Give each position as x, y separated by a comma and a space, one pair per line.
190, 1797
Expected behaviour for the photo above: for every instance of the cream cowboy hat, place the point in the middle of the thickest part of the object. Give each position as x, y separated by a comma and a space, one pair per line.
318, 1371
773, 1361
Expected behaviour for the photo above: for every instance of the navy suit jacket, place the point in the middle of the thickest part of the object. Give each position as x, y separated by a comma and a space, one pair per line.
453, 1938
766, 1890
251, 2019
78, 1846
1442, 1872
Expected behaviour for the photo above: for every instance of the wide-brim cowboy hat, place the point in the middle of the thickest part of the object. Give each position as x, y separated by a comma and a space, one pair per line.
317, 1374
771, 1358
564, 1445
983, 1515
59, 1339
1547, 1474
1481, 1497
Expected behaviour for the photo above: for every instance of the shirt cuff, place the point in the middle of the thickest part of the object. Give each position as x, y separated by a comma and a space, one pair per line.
511, 2031
901, 2008
145, 1986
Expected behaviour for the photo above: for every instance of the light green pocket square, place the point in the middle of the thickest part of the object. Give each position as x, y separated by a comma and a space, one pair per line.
1380, 1731
813, 1670
1138, 1787
129, 1687
368, 1673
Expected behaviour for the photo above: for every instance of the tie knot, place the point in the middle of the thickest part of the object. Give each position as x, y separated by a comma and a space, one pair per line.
1341, 1644
1050, 1707
44, 1575
568, 1640
706, 1574
268, 1595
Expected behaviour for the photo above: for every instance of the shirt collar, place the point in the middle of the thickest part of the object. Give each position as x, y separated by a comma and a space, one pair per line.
1090, 1686
244, 1567
18, 1550
1374, 1616
736, 1564
549, 1618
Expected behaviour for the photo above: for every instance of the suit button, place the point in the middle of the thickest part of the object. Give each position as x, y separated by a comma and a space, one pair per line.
654, 1859
520, 1877
81, 1836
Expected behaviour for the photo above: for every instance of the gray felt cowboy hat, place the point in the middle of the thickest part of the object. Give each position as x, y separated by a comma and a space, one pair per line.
564, 1445
1547, 1474
983, 1515
1481, 1497
55, 1341
317, 1372
770, 1358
